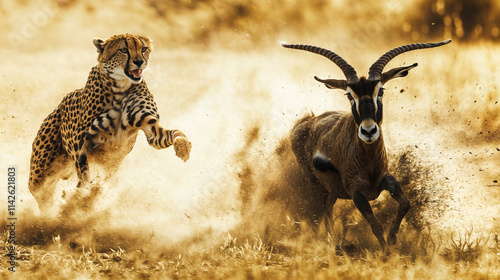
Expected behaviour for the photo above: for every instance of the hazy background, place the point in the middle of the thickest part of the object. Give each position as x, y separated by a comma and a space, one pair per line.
219, 74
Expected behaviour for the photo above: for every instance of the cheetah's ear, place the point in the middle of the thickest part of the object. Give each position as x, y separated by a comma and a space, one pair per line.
99, 44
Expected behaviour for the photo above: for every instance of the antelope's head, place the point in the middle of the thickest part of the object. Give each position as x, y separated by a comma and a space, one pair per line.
365, 94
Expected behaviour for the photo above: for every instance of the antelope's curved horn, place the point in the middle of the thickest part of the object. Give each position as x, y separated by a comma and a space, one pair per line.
348, 70
375, 72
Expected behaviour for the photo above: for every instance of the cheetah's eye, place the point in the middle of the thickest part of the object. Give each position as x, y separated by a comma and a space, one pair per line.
145, 49
124, 50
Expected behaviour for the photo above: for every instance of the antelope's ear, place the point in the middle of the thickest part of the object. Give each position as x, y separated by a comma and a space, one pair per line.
333, 84
99, 44
397, 72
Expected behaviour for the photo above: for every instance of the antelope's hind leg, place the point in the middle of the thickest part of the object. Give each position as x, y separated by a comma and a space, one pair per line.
390, 184
330, 202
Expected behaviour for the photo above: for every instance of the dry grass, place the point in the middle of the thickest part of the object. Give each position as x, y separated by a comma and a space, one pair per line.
463, 258
238, 209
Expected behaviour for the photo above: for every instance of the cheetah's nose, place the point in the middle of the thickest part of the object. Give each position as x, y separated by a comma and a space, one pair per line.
138, 62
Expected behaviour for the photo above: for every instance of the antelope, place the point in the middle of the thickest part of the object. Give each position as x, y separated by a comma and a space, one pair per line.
343, 152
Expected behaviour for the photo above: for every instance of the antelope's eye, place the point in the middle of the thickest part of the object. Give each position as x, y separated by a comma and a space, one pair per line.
349, 96
145, 49
381, 92
124, 50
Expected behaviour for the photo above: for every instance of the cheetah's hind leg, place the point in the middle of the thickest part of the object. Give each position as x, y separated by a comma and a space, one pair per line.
49, 162
43, 186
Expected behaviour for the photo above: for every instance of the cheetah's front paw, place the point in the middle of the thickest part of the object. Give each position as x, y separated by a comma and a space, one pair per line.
182, 148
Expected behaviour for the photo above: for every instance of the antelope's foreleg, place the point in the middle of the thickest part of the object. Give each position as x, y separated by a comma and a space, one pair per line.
366, 210
390, 184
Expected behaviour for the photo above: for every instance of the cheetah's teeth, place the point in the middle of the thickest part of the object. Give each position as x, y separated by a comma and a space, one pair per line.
136, 73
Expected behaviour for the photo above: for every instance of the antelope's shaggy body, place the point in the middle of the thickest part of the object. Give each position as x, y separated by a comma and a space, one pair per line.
344, 152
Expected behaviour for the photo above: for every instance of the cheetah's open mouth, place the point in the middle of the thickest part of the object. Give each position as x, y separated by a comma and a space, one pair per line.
136, 74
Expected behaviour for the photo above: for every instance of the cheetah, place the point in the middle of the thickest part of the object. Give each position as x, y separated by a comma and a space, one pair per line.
100, 121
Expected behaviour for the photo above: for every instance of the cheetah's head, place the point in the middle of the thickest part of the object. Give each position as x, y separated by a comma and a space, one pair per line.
124, 57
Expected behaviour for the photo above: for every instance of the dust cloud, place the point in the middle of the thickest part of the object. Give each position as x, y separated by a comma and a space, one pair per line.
219, 74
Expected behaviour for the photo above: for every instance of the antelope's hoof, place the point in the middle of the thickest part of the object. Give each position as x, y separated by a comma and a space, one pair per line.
182, 148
